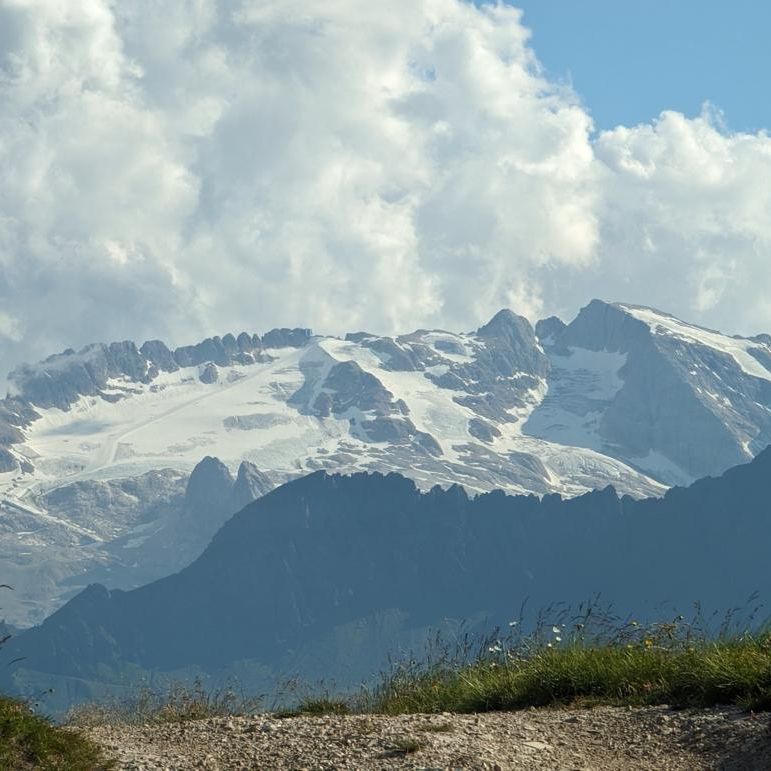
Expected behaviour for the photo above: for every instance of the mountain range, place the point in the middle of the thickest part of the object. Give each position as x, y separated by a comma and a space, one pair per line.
326, 575
102, 450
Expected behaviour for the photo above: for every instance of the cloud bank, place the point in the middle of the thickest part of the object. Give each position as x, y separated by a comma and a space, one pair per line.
187, 168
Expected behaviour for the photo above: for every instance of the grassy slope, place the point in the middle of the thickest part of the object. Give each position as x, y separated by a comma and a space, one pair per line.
28, 741
591, 660
700, 675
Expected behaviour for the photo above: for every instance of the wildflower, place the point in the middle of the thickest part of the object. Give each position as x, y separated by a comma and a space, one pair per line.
556, 629
549, 645
513, 623
648, 642
558, 638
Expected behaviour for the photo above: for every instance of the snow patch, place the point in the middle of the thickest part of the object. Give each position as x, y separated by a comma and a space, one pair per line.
737, 347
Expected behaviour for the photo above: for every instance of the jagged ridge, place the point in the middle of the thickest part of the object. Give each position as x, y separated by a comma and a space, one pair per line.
326, 553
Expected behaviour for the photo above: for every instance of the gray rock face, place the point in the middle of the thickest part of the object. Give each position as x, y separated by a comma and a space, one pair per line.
394, 356
210, 350
209, 374
62, 379
246, 343
548, 330
345, 391
602, 326
209, 485
15, 414
513, 345
483, 430
358, 337
120, 532
397, 431
286, 338
250, 484
679, 399
110, 507
159, 355
8, 461
450, 346
762, 355
508, 365
349, 387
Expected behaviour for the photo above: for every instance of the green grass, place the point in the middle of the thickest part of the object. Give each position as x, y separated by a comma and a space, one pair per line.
28, 741
587, 658
177, 703
408, 746
699, 674
318, 706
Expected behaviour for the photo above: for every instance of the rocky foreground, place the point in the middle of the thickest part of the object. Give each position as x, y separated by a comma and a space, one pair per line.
602, 739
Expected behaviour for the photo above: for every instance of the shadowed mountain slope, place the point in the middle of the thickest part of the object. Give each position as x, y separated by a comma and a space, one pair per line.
322, 553
622, 395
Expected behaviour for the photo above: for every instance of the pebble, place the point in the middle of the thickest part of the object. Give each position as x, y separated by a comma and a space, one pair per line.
601, 739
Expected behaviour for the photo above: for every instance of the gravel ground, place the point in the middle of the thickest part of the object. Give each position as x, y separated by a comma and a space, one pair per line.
601, 739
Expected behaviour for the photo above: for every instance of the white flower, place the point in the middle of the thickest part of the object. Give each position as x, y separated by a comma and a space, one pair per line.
513, 623
556, 629
558, 638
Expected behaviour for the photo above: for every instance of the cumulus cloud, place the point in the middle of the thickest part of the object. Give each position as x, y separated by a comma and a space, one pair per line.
187, 168
686, 219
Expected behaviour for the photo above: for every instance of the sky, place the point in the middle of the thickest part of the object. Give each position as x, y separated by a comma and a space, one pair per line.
629, 61
182, 169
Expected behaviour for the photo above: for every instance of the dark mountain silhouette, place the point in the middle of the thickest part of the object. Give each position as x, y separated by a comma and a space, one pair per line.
324, 552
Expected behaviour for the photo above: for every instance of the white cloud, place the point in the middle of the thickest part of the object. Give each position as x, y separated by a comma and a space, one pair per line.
10, 329
188, 168
686, 219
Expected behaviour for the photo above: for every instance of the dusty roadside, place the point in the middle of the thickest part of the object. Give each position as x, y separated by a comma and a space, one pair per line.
600, 739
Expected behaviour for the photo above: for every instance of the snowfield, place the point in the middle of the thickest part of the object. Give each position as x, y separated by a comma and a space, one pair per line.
176, 420
595, 403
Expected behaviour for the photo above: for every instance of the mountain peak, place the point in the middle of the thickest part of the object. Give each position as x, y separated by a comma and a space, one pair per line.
604, 326
209, 485
549, 329
504, 323
250, 484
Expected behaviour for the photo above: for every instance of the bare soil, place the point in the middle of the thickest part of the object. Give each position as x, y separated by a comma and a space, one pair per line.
601, 739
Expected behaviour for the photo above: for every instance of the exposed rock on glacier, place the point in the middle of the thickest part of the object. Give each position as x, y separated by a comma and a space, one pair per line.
622, 395
682, 402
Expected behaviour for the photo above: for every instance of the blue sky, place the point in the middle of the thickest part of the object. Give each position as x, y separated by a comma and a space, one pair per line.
631, 60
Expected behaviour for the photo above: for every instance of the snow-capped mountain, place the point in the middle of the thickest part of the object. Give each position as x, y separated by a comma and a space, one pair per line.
623, 395
672, 399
